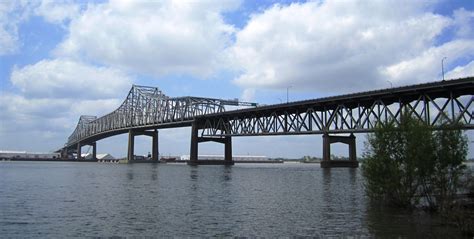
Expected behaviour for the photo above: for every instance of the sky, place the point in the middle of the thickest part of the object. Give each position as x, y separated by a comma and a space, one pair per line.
62, 59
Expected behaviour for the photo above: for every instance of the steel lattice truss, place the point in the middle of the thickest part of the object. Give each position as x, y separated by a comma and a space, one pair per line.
148, 107
441, 104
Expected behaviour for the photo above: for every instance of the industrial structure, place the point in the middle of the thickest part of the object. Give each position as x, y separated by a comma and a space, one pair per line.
221, 157
441, 104
9, 154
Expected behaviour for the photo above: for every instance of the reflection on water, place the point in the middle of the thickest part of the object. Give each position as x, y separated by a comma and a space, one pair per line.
251, 200
386, 221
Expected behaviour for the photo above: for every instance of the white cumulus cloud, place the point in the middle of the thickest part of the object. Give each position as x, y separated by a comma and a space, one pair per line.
427, 66
345, 46
11, 14
33, 121
64, 78
155, 38
57, 11
461, 71
464, 21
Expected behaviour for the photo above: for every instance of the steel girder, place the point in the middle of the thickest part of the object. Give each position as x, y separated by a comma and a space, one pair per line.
440, 105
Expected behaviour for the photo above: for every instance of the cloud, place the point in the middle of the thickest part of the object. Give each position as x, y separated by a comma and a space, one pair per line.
427, 66
248, 95
464, 22
53, 94
334, 46
49, 114
155, 38
57, 11
11, 14
97, 107
44, 123
30, 123
64, 78
18, 108
461, 71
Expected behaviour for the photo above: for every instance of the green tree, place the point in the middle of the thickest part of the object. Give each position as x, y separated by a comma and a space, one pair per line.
411, 160
393, 160
448, 169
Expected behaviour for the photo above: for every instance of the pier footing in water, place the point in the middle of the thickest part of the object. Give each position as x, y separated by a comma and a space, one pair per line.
339, 164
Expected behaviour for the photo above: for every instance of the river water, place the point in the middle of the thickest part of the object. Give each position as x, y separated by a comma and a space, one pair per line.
52, 199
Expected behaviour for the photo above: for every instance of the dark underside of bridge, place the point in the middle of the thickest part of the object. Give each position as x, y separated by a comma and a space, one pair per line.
450, 100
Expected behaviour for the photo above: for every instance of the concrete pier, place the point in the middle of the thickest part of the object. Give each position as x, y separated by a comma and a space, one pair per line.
349, 140
131, 143
79, 150
94, 150
194, 151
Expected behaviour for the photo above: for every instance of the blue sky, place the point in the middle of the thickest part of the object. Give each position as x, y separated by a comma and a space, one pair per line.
63, 59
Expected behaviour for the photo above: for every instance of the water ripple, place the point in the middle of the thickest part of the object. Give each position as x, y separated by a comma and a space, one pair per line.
100, 200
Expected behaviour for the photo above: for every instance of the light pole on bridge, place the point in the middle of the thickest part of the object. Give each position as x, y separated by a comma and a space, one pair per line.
287, 98
442, 66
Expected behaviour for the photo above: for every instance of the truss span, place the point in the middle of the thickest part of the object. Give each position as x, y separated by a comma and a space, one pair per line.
147, 107
439, 104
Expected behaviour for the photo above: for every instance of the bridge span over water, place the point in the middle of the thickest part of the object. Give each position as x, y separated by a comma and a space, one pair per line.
146, 109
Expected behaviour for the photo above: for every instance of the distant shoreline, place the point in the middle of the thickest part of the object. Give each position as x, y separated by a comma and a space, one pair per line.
468, 162
137, 161
45, 160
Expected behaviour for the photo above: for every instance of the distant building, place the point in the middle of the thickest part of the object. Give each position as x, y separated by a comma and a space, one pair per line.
98, 156
139, 157
7, 154
221, 157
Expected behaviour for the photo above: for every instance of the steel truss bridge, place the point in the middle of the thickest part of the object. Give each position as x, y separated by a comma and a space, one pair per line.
439, 104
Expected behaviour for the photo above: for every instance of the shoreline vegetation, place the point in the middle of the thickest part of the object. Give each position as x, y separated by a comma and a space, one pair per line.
411, 166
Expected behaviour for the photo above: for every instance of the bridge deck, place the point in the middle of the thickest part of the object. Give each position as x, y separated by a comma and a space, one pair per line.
440, 89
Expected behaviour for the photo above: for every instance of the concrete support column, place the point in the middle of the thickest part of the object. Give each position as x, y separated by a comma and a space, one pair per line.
155, 151
79, 146
228, 149
94, 151
131, 145
194, 152
352, 148
326, 147
193, 156
350, 141
64, 153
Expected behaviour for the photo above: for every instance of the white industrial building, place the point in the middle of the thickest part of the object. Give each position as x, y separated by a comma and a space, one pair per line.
98, 156
234, 157
7, 154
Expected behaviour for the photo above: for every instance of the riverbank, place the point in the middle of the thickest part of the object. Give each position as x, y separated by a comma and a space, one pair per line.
47, 160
